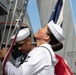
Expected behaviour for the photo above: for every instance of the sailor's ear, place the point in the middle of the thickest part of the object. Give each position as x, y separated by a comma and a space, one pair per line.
46, 37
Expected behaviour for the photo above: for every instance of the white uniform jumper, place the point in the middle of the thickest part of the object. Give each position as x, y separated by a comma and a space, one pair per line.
38, 62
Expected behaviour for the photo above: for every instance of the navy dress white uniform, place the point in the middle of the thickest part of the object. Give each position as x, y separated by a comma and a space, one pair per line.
36, 63
39, 61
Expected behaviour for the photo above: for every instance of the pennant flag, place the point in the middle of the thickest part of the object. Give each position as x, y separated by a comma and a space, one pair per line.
57, 14
62, 67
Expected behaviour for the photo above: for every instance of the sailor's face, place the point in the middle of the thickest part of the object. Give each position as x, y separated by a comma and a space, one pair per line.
41, 33
24, 46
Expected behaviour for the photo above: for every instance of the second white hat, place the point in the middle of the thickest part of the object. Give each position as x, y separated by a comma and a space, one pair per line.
23, 34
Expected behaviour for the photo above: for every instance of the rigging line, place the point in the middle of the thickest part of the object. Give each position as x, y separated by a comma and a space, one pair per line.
23, 12
10, 49
11, 23
16, 26
5, 24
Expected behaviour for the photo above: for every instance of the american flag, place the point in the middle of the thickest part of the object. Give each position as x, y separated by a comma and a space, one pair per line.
57, 14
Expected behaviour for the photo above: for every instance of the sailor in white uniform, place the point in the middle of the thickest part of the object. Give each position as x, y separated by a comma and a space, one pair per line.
41, 59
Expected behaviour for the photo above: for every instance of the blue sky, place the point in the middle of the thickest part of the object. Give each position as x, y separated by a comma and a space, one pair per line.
34, 16
73, 8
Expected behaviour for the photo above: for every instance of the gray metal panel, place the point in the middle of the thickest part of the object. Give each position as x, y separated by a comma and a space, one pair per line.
16, 15
45, 8
69, 32
3, 19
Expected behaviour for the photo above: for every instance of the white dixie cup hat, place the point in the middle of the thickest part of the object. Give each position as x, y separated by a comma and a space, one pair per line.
56, 30
23, 34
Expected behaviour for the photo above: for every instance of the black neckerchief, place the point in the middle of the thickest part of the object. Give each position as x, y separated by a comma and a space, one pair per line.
22, 59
